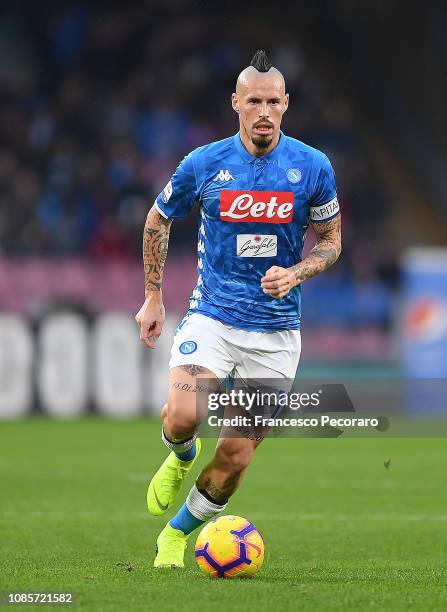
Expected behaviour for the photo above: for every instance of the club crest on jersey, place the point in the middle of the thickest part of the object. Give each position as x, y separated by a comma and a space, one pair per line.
188, 347
223, 175
294, 175
256, 206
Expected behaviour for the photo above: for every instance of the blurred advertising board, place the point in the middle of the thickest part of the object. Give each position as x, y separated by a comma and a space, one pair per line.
69, 344
424, 325
424, 322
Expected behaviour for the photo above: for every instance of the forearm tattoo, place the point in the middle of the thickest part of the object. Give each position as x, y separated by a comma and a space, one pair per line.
325, 252
155, 249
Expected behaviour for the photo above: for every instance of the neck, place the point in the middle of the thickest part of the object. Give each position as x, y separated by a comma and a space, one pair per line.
252, 148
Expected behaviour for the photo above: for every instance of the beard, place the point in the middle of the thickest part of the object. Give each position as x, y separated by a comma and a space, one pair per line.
262, 142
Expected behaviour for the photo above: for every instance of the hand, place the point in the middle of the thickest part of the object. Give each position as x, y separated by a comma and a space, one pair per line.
277, 282
150, 319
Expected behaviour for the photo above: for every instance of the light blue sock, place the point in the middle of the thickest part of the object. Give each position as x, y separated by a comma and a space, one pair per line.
187, 455
185, 521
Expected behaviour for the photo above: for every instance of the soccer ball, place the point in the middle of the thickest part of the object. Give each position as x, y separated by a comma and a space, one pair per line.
229, 547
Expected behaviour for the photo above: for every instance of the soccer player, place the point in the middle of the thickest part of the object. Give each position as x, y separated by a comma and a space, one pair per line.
258, 191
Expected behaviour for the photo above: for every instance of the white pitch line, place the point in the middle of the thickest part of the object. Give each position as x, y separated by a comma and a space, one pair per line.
347, 518
319, 517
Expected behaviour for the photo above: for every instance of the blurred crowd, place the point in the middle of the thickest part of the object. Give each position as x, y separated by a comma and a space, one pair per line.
98, 105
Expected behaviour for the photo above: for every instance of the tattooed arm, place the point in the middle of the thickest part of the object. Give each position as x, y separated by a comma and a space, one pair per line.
155, 250
325, 252
151, 315
279, 281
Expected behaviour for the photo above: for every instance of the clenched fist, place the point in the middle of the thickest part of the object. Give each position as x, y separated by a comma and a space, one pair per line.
277, 282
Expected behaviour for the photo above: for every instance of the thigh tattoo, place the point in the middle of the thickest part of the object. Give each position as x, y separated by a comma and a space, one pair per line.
194, 370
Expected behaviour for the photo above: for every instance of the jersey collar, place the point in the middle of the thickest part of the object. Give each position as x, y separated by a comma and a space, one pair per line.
246, 156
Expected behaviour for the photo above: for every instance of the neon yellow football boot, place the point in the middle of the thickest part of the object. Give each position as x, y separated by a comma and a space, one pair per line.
165, 485
171, 545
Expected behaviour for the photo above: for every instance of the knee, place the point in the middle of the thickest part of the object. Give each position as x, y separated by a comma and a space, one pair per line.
179, 422
234, 455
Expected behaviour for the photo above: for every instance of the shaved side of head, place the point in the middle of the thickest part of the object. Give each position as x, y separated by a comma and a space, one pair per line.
249, 74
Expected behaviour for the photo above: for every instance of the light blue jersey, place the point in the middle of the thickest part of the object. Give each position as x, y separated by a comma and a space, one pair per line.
254, 213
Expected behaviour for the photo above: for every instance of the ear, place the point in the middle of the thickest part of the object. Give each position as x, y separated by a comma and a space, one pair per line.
286, 103
235, 102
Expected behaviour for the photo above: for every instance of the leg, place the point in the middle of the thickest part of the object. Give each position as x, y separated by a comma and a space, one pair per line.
216, 483
223, 475
179, 418
179, 415
209, 496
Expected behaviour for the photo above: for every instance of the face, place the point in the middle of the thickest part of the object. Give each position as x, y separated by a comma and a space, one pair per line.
260, 101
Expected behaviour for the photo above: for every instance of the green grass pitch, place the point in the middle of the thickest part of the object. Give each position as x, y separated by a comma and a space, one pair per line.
342, 531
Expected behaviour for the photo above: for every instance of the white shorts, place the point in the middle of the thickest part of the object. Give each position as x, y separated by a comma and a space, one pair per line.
225, 350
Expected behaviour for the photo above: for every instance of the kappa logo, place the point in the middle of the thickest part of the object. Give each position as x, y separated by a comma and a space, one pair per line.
224, 175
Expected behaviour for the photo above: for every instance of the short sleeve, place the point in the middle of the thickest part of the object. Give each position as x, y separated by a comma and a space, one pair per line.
323, 203
179, 195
